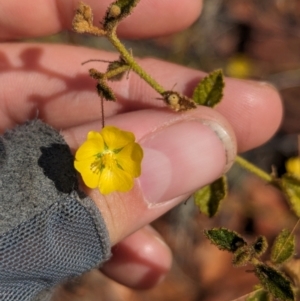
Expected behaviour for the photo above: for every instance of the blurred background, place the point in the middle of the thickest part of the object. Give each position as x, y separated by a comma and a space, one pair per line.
252, 39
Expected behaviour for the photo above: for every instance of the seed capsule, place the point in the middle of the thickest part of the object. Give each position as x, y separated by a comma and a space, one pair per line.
178, 102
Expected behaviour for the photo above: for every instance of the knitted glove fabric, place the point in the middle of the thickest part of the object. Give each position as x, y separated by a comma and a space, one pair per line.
49, 230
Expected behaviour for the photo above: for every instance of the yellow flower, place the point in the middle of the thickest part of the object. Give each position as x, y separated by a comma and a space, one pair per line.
109, 160
293, 166
239, 66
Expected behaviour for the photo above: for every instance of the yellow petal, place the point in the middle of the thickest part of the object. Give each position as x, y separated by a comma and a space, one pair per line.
120, 163
115, 179
115, 138
90, 148
90, 178
130, 158
293, 166
94, 135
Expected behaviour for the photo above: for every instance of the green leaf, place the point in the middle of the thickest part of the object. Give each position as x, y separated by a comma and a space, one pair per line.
260, 246
117, 11
225, 239
274, 282
245, 254
291, 187
209, 91
209, 198
242, 256
260, 295
283, 248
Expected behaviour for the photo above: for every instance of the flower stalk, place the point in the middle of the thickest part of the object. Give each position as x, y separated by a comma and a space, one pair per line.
254, 169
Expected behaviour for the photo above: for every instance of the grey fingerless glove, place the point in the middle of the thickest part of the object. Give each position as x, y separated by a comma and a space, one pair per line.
49, 231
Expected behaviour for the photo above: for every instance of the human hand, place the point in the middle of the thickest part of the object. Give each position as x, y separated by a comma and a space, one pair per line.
49, 80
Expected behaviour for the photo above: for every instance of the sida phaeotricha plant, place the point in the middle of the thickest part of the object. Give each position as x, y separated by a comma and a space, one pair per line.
111, 159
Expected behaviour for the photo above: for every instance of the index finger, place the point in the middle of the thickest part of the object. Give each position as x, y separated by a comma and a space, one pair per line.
51, 81
34, 18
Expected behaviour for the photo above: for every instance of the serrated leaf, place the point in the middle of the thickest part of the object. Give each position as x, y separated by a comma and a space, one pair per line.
225, 239
117, 11
260, 295
291, 187
260, 246
274, 282
283, 248
209, 198
209, 91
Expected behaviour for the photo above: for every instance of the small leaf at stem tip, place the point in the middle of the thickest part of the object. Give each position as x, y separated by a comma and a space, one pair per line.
117, 11
242, 256
83, 21
291, 187
260, 295
274, 282
260, 246
95, 74
208, 199
209, 91
283, 248
105, 91
225, 239
114, 66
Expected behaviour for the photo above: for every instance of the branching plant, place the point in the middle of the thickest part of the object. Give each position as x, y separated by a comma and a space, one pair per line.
274, 283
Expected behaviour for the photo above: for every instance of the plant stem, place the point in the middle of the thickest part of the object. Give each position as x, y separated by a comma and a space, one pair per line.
133, 64
112, 37
254, 169
102, 113
115, 72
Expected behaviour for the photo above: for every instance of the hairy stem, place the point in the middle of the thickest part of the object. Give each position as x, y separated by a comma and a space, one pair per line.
116, 72
133, 64
254, 169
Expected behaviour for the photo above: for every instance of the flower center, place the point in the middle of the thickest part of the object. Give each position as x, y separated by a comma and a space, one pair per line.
103, 160
108, 160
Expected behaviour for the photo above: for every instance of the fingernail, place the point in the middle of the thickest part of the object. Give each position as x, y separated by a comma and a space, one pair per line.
226, 139
184, 156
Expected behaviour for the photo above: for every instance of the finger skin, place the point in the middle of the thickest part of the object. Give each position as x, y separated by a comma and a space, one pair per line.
144, 256
40, 80
34, 18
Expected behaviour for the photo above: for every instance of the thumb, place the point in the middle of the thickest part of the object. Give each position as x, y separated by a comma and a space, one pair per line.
182, 152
